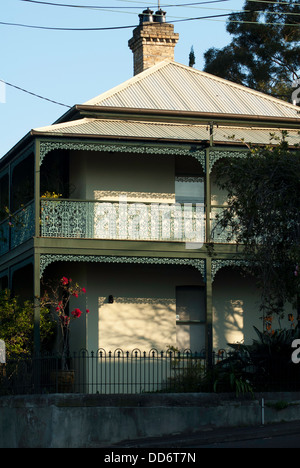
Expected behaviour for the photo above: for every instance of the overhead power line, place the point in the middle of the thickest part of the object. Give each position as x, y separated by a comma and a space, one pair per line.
275, 3
101, 29
96, 7
35, 95
192, 5
65, 29
210, 17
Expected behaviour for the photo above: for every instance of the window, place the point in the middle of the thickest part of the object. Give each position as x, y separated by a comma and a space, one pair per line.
190, 318
189, 189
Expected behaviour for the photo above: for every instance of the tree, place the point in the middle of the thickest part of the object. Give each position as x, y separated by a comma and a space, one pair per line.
17, 324
263, 215
264, 53
192, 57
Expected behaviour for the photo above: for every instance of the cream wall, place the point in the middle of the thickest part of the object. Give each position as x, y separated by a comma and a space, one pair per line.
235, 309
143, 314
218, 196
106, 176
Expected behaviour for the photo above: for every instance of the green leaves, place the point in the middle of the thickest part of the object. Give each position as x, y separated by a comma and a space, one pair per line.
17, 323
264, 53
263, 214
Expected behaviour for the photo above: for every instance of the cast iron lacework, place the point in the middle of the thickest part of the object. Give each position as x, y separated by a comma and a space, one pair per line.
199, 264
47, 146
216, 265
215, 155
113, 220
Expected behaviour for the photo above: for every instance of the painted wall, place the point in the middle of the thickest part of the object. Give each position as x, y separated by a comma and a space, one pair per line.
106, 176
236, 309
143, 314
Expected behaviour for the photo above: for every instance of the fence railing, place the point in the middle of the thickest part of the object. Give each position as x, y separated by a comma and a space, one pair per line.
104, 373
134, 372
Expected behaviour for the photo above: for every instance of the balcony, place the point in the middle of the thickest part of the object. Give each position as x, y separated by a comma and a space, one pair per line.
17, 228
122, 220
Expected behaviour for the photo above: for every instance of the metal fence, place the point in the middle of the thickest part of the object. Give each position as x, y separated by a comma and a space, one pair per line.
124, 372
104, 373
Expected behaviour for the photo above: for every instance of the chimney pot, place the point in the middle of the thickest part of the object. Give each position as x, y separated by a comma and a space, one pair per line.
146, 16
160, 16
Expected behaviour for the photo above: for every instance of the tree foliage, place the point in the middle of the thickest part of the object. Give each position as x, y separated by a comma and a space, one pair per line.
264, 52
263, 215
17, 325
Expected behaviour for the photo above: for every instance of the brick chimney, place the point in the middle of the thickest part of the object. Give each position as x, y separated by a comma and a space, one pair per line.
153, 40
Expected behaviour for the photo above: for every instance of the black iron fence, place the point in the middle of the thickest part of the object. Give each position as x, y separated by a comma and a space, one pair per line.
121, 372
104, 373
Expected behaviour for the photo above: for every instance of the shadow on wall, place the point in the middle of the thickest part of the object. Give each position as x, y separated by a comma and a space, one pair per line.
142, 323
236, 303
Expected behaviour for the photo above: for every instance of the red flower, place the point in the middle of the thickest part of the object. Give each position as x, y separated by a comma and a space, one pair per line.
64, 281
76, 313
87, 311
75, 294
83, 290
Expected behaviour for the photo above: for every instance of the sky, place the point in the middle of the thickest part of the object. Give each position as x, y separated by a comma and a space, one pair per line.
73, 66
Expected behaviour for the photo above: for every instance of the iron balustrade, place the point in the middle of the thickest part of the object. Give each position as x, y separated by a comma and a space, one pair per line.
17, 228
122, 220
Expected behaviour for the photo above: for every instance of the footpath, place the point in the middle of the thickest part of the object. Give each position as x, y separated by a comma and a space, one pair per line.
210, 436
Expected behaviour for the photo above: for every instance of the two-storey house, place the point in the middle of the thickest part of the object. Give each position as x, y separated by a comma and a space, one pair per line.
135, 171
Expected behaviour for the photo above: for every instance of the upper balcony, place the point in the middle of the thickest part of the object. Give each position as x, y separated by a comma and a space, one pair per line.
123, 220
113, 197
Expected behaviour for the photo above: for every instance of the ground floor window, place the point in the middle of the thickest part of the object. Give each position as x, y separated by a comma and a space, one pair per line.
190, 317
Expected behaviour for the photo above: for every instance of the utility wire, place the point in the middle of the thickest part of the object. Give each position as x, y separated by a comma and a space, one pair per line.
191, 5
101, 29
66, 29
96, 7
210, 17
33, 94
134, 26
275, 3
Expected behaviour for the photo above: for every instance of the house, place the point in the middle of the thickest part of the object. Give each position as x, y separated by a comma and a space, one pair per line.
134, 169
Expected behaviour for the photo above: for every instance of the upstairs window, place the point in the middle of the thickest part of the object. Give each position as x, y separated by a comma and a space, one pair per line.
189, 189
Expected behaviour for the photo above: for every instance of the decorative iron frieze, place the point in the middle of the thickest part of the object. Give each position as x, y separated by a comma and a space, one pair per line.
217, 264
47, 146
215, 155
47, 259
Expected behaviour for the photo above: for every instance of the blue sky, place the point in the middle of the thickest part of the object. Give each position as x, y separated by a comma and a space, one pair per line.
72, 67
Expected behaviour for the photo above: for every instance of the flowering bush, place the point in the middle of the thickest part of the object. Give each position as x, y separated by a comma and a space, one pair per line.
59, 299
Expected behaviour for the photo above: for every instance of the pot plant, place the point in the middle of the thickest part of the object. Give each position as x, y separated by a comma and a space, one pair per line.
57, 298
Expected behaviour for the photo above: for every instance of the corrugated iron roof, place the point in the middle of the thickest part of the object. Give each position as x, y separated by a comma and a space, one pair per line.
172, 86
159, 130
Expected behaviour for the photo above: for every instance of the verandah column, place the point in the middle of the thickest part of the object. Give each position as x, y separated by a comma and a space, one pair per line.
36, 264
208, 283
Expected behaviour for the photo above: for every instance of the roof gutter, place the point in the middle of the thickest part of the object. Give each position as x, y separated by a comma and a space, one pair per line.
186, 114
